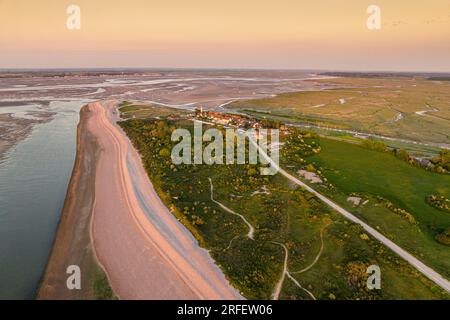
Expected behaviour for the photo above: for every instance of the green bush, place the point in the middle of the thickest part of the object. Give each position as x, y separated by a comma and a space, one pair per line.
444, 237
164, 152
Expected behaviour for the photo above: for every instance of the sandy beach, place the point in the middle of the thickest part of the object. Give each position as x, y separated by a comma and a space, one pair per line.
145, 251
72, 245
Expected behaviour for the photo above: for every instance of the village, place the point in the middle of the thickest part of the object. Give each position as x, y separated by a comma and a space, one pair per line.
239, 121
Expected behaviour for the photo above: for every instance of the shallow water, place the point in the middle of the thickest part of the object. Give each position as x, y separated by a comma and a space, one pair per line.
25, 111
33, 182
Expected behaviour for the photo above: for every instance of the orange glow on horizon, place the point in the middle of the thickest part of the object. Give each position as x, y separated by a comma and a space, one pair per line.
199, 33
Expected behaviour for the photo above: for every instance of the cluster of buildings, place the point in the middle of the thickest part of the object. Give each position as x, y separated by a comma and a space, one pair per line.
228, 119
240, 121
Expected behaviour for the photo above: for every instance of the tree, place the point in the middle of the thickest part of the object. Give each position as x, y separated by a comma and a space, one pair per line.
402, 154
375, 145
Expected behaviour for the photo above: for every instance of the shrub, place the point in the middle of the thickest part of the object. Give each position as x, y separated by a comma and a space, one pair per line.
375, 145
164, 152
444, 237
439, 202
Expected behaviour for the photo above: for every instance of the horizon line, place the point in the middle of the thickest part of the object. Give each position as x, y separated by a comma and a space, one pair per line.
321, 70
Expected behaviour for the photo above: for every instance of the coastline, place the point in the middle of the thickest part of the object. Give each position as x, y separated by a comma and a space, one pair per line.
117, 238
146, 252
15, 129
72, 244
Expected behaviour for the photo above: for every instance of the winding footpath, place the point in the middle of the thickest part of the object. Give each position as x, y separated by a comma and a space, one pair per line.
279, 285
416, 263
318, 254
145, 251
251, 229
277, 290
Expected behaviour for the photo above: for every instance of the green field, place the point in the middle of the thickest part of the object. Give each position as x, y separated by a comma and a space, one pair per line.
284, 215
351, 168
145, 111
408, 108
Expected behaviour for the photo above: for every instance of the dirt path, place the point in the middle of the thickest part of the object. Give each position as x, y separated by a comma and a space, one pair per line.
318, 254
277, 290
300, 286
251, 229
145, 251
279, 285
416, 263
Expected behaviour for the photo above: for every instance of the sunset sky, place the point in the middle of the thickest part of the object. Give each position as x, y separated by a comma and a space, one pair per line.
319, 34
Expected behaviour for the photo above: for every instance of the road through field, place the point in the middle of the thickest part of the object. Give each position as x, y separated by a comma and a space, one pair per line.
146, 252
420, 266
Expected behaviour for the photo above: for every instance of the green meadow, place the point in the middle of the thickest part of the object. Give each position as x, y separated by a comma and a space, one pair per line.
144, 111
409, 108
351, 168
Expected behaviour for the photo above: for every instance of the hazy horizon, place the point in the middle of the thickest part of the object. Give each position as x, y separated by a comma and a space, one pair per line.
200, 34
131, 69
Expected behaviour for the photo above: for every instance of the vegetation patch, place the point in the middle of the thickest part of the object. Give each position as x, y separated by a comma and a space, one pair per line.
102, 289
399, 211
352, 168
129, 110
444, 237
408, 108
285, 214
439, 202
442, 162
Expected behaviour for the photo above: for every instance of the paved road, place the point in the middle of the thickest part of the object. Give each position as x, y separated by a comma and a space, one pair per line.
416, 263
146, 252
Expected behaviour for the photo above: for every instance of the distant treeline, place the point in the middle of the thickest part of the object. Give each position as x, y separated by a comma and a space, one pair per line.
51, 73
439, 164
440, 78
429, 76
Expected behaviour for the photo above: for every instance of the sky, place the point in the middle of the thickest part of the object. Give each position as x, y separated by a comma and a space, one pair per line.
269, 34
